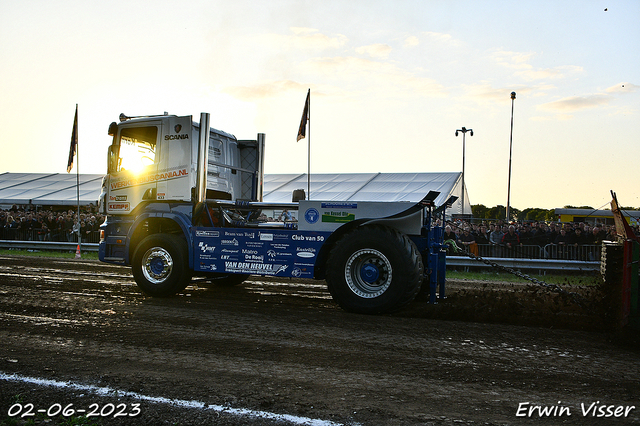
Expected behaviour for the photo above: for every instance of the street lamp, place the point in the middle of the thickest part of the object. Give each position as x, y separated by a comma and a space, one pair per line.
464, 131
513, 98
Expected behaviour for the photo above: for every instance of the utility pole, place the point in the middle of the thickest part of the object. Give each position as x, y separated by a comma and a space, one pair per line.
464, 131
513, 98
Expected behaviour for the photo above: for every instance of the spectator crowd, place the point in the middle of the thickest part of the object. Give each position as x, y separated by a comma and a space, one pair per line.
49, 225
537, 239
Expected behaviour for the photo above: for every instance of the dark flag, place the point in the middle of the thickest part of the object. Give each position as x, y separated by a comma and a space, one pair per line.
302, 131
74, 142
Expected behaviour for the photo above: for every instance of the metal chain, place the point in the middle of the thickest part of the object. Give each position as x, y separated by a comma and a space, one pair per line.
578, 299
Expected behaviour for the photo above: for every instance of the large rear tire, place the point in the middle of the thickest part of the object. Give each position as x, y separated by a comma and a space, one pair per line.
160, 265
374, 270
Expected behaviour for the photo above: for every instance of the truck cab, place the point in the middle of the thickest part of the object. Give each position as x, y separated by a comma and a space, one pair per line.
153, 171
156, 159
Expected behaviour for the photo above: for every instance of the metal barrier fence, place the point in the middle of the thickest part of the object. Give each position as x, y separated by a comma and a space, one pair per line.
550, 251
541, 265
40, 235
47, 246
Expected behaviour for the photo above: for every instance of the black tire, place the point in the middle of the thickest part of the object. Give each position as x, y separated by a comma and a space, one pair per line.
226, 280
160, 265
374, 270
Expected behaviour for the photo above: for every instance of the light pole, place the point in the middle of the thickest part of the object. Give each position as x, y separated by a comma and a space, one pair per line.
513, 98
464, 131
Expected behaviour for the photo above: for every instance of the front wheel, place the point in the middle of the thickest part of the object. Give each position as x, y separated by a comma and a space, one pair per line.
374, 269
160, 265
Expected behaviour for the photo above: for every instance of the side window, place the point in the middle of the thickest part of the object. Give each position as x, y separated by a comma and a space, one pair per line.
137, 148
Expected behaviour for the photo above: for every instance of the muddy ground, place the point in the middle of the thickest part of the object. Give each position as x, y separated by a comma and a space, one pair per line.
486, 355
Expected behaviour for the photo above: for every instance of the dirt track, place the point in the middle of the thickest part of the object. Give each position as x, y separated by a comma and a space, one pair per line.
286, 348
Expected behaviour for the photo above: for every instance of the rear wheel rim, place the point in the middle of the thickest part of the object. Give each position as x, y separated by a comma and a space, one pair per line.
157, 265
368, 273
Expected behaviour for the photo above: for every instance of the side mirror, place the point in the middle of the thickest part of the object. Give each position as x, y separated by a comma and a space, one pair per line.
113, 129
112, 159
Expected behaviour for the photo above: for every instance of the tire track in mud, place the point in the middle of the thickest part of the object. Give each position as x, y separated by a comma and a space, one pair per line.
292, 353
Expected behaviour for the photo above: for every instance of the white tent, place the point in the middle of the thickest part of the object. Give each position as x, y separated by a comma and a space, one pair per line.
279, 188
47, 189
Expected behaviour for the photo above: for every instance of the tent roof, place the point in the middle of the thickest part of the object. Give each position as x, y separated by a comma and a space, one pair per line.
362, 186
49, 188
60, 188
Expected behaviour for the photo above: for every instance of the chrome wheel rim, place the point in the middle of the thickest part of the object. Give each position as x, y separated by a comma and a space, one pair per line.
157, 265
368, 273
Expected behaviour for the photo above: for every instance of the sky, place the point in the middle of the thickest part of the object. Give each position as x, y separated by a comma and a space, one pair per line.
391, 82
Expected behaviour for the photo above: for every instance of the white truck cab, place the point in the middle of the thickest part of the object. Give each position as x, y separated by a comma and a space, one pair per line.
155, 158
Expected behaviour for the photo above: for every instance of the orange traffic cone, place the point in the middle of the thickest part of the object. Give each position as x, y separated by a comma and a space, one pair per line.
78, 256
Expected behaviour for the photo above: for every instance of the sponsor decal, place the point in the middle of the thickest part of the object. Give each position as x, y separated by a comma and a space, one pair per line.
207, 234
305, 254
311, 215
339, 205
265, 237
232, 242
251, 235
206, 248
280, 246
337, 217
118, 207
208, 267
149, 178
254, 268
118, 198
307, 237
175, 137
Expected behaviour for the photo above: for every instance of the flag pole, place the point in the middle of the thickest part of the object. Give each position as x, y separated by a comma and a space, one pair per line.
78, 254
309, 149
302, 133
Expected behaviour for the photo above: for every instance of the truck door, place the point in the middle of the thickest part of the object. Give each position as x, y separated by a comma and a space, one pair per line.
174, 180
132, 177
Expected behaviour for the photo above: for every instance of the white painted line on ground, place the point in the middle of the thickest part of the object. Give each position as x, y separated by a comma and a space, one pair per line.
107, 391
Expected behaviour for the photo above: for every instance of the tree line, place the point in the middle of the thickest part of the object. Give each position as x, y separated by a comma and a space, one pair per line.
480, 211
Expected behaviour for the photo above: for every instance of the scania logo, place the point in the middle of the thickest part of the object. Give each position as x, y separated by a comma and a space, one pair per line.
178, 127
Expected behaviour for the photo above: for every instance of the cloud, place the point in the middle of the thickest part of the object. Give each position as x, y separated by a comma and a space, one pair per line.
304, 39
367, 75
485, 92
623, 88
514, 60
576, 103
411, 41
265, 90
375, 50
438, 37
520, 63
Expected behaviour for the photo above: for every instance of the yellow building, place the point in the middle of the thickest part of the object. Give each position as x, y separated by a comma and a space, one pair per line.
595, 216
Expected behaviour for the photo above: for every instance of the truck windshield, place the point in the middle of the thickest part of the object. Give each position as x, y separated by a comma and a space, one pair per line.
137, 148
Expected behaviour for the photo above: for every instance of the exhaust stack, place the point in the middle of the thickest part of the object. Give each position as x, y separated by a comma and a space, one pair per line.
203, 157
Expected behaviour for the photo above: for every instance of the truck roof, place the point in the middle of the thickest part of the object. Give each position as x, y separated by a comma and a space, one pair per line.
195, 124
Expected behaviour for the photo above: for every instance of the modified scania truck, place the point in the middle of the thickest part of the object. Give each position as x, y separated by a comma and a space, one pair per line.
184, 200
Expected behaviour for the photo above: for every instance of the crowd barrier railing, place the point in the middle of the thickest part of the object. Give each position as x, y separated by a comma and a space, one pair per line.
40, 235
586, 252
